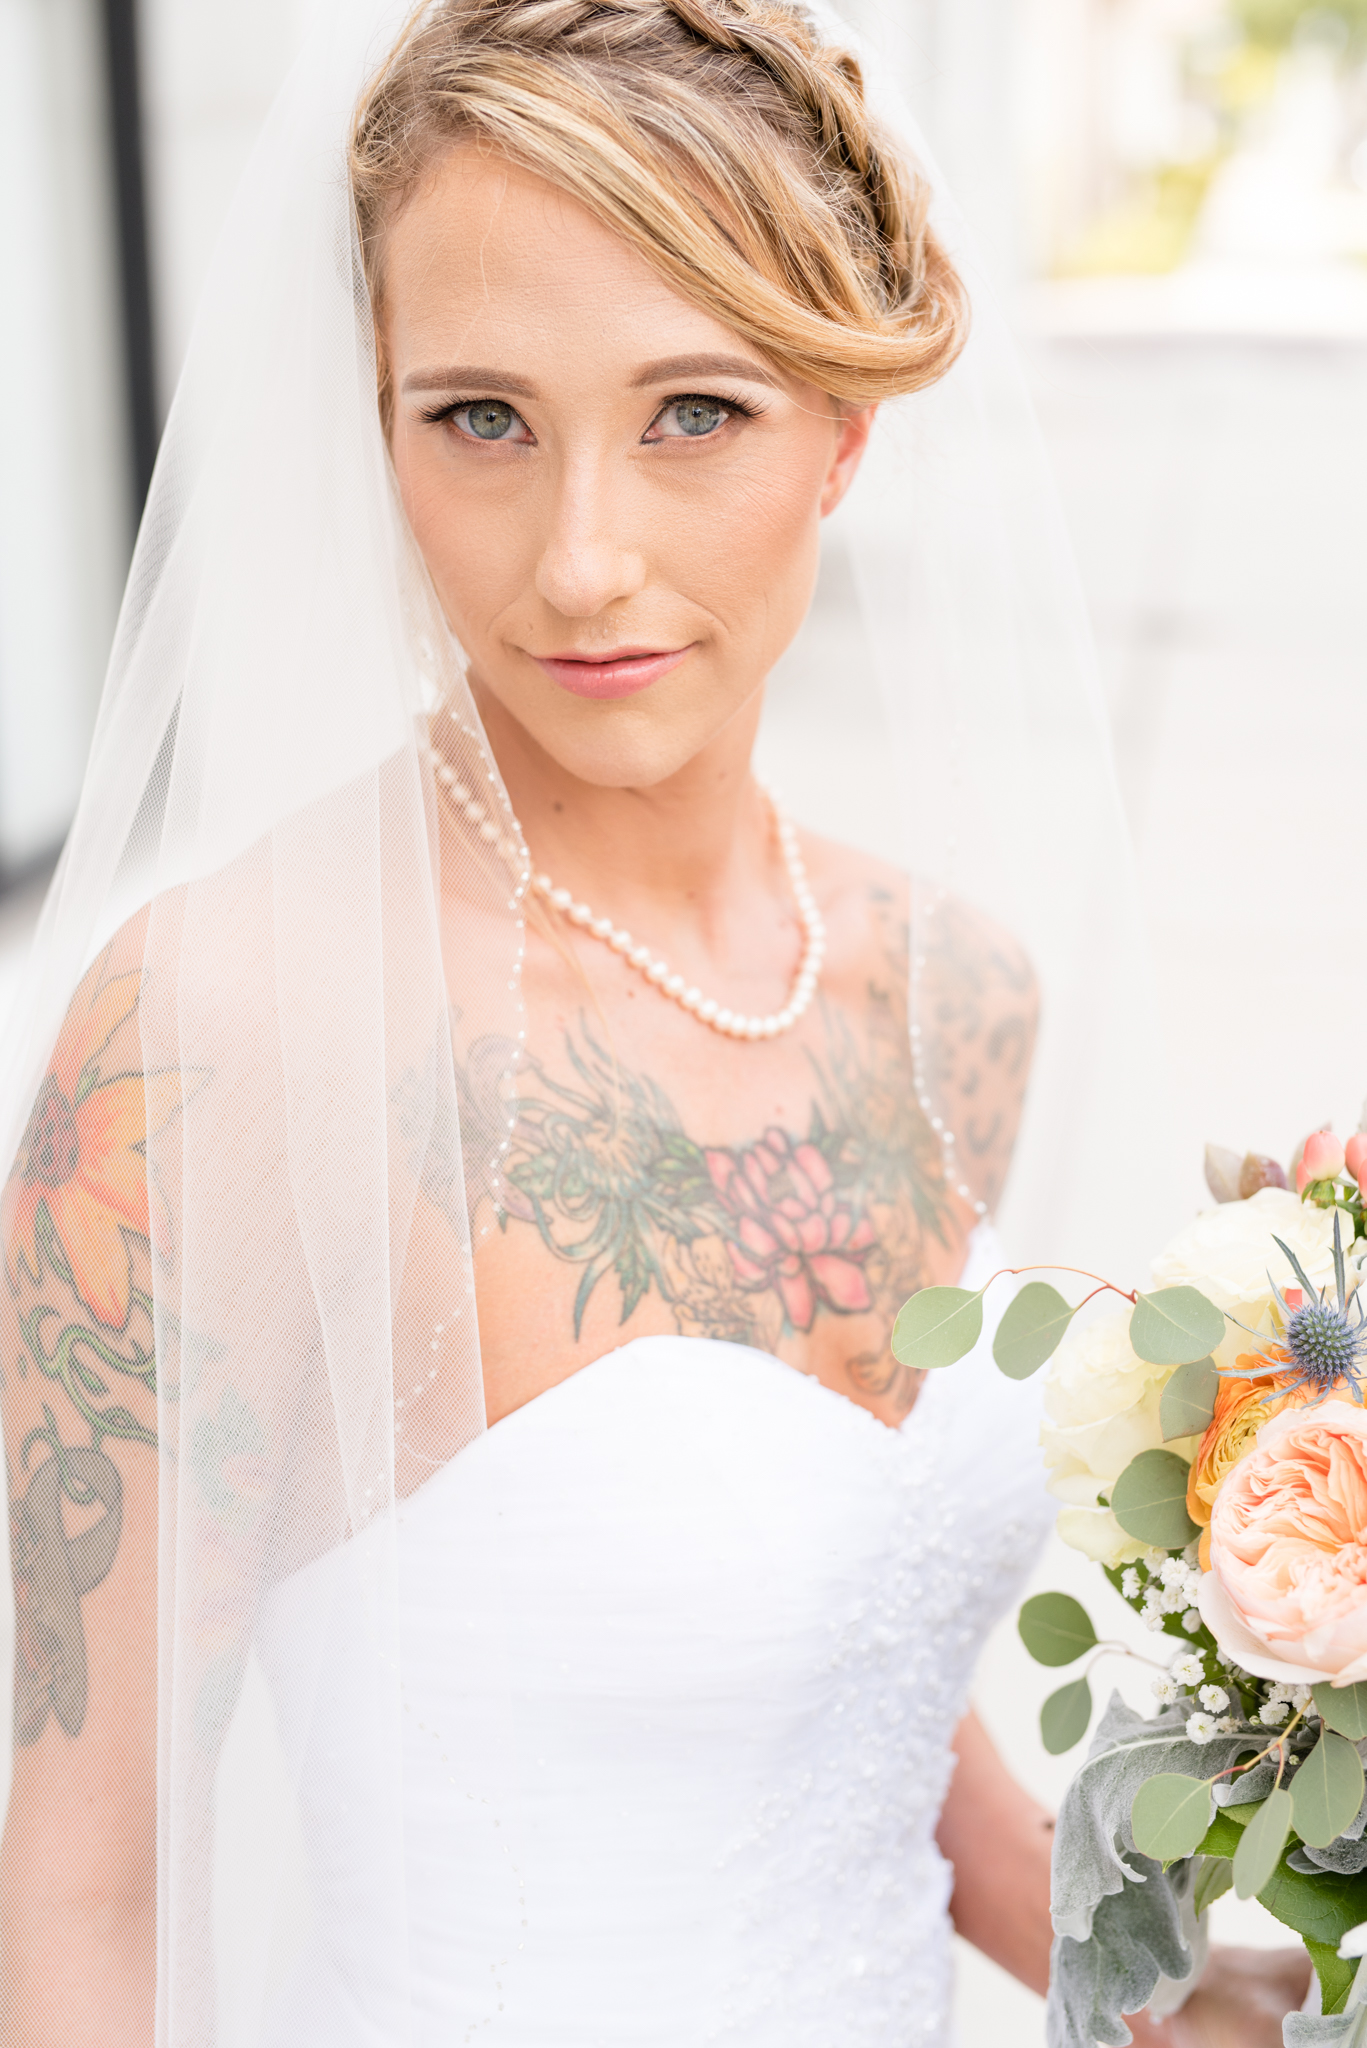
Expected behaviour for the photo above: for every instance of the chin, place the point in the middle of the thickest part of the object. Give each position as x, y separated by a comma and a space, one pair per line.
630, 743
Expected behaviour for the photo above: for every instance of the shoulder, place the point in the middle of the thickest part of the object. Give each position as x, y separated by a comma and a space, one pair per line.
79, 1180
962, 947
79, 1369
978, 1004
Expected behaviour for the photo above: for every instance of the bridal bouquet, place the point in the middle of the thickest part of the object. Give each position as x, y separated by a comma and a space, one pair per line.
1208, 1440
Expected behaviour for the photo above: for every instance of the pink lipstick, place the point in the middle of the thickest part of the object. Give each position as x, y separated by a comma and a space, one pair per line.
619, 674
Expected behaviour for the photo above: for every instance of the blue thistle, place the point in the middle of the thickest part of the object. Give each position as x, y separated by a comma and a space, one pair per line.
1325, 1339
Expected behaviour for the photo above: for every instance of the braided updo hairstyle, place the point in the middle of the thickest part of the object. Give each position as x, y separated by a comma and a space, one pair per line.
720, 138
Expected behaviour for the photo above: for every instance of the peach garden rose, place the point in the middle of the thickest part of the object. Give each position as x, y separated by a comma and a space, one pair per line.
1287, 1591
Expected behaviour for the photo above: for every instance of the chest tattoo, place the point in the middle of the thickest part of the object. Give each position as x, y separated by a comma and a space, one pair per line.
750, 1242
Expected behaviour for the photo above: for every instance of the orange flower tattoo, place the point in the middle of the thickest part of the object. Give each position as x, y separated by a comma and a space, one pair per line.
83, 1158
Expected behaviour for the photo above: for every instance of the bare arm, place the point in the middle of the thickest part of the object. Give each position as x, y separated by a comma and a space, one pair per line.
78, 1864
1000, 1841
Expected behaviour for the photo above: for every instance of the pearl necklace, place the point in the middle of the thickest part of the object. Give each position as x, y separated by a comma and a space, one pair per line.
731, 1023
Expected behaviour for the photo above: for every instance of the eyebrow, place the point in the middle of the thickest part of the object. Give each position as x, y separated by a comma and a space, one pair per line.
468, 376
463, 376
671, 367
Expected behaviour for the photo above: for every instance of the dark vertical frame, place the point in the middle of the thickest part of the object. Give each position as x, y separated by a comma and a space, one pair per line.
135, 270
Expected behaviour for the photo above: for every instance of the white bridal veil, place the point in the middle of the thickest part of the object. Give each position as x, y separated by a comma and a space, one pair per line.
257, 796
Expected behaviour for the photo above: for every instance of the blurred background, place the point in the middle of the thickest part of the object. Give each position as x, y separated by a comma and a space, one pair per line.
1172, 197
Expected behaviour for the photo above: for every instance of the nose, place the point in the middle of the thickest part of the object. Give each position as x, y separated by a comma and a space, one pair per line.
589, 560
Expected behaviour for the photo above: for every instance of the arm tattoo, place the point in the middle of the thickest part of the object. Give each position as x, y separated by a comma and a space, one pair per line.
76, 1210
51, 1573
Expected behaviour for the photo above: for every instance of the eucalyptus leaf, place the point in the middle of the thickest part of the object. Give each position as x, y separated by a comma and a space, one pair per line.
1030, 1330
1188, 1401
1055, 1628
1149, 1500
1260, 1851
1326, 1791
1175, 1326
1213, 1879
937, 1327
1342, 1708
1064, 1717
1170, 1815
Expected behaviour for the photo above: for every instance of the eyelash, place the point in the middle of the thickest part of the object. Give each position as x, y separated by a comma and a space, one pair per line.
447, 408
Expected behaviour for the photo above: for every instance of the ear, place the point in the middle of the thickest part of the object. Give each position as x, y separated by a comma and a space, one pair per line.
854, 424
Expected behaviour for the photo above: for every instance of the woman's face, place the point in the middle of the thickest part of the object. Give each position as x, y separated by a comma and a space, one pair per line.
617, 497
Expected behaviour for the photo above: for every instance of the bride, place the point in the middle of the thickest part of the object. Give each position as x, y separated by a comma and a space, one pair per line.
480, 1566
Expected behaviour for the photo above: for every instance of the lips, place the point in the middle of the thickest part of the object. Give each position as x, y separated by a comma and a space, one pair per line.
620, 674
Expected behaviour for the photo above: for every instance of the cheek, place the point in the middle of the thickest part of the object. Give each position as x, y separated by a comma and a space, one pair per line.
475, 551
747, 549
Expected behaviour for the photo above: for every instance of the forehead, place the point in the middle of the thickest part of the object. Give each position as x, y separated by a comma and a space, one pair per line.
485, 251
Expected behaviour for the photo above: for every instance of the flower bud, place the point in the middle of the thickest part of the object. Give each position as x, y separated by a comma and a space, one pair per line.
1355, 1155
1222, 1173
1258, 1171
1322, 1159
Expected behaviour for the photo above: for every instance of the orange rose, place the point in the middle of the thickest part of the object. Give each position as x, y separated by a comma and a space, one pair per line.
1242, 1406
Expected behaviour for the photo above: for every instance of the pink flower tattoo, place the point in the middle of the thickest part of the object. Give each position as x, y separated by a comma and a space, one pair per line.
794, 1231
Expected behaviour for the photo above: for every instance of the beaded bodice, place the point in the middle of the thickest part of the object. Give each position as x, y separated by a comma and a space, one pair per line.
684, 1640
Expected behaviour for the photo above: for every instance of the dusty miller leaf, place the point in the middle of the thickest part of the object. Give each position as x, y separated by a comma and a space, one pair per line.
1094, 1852
1337, 2030
1137, 1937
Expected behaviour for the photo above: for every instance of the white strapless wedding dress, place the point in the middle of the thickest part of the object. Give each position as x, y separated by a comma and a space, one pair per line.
684, 1641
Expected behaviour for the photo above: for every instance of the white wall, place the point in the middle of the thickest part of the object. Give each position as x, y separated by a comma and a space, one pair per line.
210, 73
64, 513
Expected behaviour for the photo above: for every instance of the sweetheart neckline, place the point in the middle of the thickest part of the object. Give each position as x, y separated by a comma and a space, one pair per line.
673, 1337
981, 1233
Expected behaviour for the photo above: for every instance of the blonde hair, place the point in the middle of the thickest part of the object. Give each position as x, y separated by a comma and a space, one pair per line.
720, 138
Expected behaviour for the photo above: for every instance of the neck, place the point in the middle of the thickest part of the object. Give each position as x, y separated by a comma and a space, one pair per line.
682, 847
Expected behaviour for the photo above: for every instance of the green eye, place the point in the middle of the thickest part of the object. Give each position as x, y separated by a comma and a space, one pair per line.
489, 420
697, 415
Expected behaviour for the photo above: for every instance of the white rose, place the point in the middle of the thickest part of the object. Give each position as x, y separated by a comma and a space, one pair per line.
1098, 1535
1228, 1252
1101, 1403
1096, 1372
